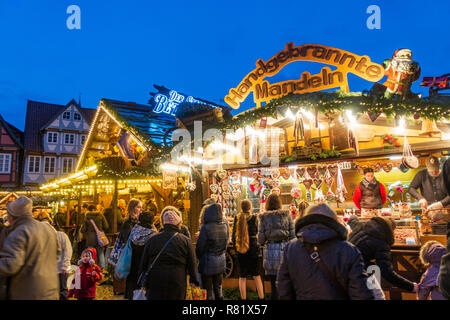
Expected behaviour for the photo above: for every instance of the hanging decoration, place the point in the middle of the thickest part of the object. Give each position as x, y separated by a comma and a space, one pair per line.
390, 140
299, 130
408, 159
318, 197
301, 172
340, 187
308, 182
191, 184
312, 171
373, 115
322, 170
329, 180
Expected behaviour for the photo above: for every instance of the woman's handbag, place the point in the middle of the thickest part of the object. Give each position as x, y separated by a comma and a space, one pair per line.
123, 266
102, 239
143, 277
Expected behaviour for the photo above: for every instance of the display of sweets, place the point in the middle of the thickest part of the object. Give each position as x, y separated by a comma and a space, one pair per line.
370, 213
403, 209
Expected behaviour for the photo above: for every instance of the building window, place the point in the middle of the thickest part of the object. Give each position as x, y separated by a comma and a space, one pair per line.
76, 116
49, 164
67, 165
69, 138
34, 163
5, 163
83, 139
66, 115
52, 137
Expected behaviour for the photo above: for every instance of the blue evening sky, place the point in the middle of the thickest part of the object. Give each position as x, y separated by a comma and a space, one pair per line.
201, 48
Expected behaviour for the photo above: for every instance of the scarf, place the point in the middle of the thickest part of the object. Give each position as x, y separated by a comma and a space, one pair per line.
368, 184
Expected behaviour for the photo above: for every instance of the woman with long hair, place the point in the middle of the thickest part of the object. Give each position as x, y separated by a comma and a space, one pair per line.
245, 231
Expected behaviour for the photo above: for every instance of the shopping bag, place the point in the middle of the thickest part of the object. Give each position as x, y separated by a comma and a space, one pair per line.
102, 239
139, 294
195, 293
123, 266
115, 252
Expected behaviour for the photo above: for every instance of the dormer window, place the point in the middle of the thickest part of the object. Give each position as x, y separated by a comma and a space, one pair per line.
76, 116
66, 115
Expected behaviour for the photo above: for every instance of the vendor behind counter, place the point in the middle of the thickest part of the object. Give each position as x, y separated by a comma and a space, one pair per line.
433, 193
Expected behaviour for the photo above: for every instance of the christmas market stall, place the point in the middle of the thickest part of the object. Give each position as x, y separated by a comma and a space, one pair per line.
311, 146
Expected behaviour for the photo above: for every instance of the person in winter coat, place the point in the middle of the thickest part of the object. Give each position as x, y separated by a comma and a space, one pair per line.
430, 255
374, 239
301, 278
167, 279
84, 283
91, 236
210, 249
433, 193
139, 236
276, 228
134, 210
444, 272
29, 255
108, 213
184, 228
244, 235
61, 219
446, 174
370, 193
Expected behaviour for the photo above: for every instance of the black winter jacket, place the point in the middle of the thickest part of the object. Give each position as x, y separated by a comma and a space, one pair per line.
300, 278
126, 228
374, 239
167, 280
444, 272
88, 228
212, 242
446, 174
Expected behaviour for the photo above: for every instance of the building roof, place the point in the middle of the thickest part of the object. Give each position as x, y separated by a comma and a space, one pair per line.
139, 116
39, 114
16, 134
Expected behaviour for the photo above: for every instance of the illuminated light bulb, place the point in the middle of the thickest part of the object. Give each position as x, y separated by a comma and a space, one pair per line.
290, 115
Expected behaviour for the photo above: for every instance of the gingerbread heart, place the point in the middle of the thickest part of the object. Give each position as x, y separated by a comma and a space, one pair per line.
318, 182
226, 195
275, 183
333, 169
214, 187
237, 186
276, 191
275, 174
235, 176
322, 171
373, 115
330, 196
387, 167
285, 174
266, 192
222, 174
296, 193
301, 172
307, 183
236, 194
312, 171
226, 187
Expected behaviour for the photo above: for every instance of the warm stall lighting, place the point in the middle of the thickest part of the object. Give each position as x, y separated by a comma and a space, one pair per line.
172, 167
290, 115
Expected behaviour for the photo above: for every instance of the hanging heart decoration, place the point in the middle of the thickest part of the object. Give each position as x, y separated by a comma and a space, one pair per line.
191, 186
312, 171
237, 186
214, 187
318, 182
377, 167
333, 169
222, 174
322, 171
266, 192
275, 183
226, 187
308, 183
275, 174
235, 176
236, 194
387, 167
296, 193
329, 179
276, 190
330, 196
268, 183
226, 195
301, 172
285, 174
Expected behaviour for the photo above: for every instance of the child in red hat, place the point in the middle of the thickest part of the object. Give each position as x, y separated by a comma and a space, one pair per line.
86, 276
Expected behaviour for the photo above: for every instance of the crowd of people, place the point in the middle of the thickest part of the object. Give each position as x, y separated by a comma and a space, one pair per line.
312, 256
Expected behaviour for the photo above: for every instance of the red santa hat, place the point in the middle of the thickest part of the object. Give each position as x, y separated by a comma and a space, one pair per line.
402, 51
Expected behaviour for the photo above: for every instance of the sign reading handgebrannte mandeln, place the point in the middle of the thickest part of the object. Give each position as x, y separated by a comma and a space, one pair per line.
263, 91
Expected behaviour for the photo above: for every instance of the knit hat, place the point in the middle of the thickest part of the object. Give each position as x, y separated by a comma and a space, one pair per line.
22, 207
433, 164
322, 209
208, 202
170, 217
92, 253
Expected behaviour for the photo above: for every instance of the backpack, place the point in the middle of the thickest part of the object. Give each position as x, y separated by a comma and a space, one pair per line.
242, 238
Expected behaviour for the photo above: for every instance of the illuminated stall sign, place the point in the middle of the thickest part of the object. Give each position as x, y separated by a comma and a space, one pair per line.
167, 101
344, 61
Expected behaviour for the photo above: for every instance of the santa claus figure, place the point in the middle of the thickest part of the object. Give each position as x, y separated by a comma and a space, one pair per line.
402, 71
